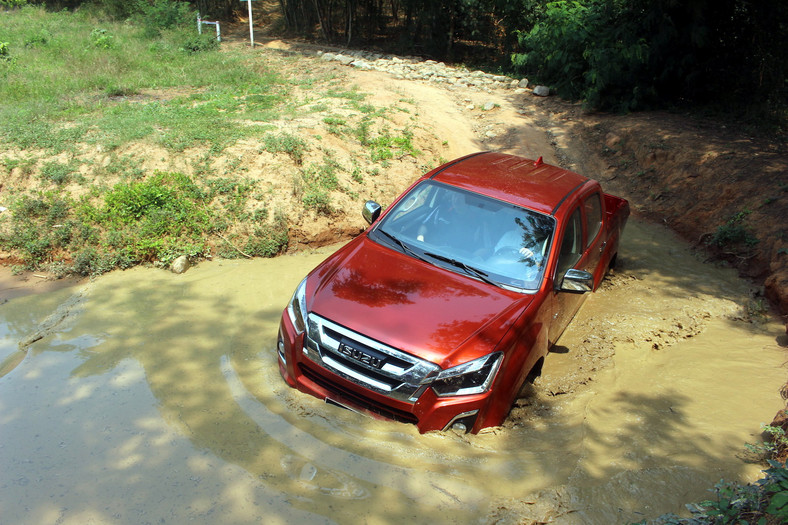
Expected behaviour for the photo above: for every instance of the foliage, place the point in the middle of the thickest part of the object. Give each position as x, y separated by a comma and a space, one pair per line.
318, 181
734, 235
10, 4
195, 43
100, 39
625, 55
292, 145
602, 59
159, 15
40, 224
5, 53
268, 240
57, 172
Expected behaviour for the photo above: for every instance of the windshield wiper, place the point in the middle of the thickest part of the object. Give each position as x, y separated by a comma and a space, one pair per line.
468, 269
405, 247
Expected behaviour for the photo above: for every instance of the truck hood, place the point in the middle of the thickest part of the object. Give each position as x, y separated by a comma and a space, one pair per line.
422, 309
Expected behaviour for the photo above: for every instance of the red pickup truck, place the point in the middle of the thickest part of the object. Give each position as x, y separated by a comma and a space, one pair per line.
448, 303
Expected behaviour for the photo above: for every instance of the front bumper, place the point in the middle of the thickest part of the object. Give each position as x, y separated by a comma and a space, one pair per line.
421, 407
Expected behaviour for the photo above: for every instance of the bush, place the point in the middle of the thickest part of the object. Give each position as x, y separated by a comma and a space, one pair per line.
633, 54
10, 4
101, 39
269, 240
196, 43
159, 15
733, 235
592, 51
292, 145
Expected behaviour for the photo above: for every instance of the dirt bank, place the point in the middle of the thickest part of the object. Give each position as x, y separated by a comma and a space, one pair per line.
719, 187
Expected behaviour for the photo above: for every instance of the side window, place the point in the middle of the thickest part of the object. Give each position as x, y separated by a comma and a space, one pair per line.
571, 245
593, 209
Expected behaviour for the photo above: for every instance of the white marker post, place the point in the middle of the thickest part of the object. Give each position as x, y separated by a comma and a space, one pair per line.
251, 31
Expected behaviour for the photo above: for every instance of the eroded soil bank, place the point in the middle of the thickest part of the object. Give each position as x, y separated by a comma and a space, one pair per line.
149, 397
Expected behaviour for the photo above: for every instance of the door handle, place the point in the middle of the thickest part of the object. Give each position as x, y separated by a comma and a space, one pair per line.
602, 247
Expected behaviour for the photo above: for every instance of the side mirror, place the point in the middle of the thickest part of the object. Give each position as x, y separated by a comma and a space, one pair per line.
577, 281
371, 211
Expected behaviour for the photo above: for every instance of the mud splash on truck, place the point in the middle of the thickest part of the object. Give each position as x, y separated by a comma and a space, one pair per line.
151, 397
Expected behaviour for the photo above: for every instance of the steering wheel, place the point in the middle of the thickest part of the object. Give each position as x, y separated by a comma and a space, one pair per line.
508, 251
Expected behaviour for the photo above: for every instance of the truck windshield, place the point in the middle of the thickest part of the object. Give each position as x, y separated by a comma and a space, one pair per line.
458, 229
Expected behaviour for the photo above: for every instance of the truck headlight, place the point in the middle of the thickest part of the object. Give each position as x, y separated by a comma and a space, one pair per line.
296, 309
473, 377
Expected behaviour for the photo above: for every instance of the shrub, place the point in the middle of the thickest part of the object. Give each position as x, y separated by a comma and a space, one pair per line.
100, 39
196, 43
285, 143
733, 235
164, 14
56, 172
38, 38
269, 240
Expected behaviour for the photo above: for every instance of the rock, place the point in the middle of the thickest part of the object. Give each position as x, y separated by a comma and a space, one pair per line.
361, 64
777, 290
523, 83
489, 106
180, 265
542, 91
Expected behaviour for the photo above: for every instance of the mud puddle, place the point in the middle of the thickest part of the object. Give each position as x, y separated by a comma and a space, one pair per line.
147, 397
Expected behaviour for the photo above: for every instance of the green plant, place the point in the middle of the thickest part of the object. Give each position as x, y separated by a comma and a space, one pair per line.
5, 52
775, 484
335, 124
100, 39
38, 38
733, 234
197, 43
38, 226
316, 182
159, 15
56, 172
269, 240
773, 445
286, 143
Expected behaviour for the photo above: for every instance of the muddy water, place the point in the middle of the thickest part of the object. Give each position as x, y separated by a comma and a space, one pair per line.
146, 397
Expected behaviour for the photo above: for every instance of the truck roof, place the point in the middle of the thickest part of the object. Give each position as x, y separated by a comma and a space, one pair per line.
524, 182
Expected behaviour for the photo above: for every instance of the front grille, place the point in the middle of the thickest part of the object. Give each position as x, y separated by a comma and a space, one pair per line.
367, 362
361, 402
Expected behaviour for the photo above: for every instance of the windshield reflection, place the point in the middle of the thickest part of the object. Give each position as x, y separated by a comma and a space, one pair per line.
508, 244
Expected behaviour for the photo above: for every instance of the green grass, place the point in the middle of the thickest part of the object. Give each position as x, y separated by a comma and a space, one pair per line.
74, 78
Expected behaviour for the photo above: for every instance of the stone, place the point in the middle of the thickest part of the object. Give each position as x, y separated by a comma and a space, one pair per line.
181, 264
542, 91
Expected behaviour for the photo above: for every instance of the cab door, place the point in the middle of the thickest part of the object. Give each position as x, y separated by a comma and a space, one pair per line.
571, 247
581, 246
594, 236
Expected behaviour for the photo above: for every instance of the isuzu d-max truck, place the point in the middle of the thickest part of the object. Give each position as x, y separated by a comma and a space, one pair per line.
447, 304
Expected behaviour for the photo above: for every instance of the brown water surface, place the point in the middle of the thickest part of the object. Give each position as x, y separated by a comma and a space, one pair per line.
149, 397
